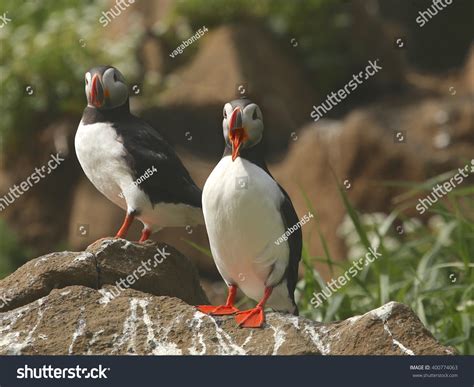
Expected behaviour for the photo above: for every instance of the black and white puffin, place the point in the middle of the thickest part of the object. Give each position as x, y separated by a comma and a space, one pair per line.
130, 162
246, 212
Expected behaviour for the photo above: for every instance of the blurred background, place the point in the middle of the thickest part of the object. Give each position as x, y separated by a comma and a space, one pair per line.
360, 169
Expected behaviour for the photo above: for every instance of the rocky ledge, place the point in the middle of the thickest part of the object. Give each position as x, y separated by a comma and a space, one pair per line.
104, 301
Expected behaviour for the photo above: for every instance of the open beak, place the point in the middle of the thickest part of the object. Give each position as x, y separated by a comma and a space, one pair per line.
97, 91
237, 133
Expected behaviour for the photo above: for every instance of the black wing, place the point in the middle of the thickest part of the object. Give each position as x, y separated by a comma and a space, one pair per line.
147, 149
295, 242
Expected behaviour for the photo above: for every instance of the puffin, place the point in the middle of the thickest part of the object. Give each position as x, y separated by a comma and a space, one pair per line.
130, 162
246, 213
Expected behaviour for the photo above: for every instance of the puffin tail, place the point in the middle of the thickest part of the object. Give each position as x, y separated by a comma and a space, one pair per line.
296, 312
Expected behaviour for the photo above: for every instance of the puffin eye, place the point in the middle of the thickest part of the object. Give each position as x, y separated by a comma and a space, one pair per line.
255, 114
225, 114
115, 76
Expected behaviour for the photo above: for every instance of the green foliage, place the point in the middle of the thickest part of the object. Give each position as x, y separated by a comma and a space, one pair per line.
428, 267
49, 45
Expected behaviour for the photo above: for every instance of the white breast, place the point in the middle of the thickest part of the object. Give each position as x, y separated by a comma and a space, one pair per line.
241, 205
101, 155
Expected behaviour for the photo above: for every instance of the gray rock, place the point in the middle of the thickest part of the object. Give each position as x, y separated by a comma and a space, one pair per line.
80, 320
69, 303
104, 263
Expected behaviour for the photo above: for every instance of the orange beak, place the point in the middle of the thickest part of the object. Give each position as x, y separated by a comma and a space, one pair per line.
237, 134
237, 137
97, 94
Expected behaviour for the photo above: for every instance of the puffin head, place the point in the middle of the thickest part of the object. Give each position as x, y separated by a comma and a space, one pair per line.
242, 124
105, 88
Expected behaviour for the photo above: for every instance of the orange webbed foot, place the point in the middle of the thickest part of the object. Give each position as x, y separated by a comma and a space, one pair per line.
252, 318
220, 310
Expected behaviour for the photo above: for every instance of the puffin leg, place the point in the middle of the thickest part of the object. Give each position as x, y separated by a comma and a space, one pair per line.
126, 225
254, 318
221, 310
145, 234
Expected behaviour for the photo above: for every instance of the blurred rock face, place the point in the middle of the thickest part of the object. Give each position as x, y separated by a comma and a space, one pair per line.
233, 61
364, 151
359, 156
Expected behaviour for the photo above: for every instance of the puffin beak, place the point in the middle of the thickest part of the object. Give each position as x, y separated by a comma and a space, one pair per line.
97, 91
237, 133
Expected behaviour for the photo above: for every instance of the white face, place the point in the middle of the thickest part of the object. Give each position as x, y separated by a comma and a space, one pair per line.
252, 123
110, 89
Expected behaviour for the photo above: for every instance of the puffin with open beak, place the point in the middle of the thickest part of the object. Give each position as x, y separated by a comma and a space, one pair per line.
130, 162
246, 213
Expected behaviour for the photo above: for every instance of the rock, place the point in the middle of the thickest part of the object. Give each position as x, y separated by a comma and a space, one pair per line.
469, 71
69, 303
38, 277
170, 274
104, 263
369, 25
80, 320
